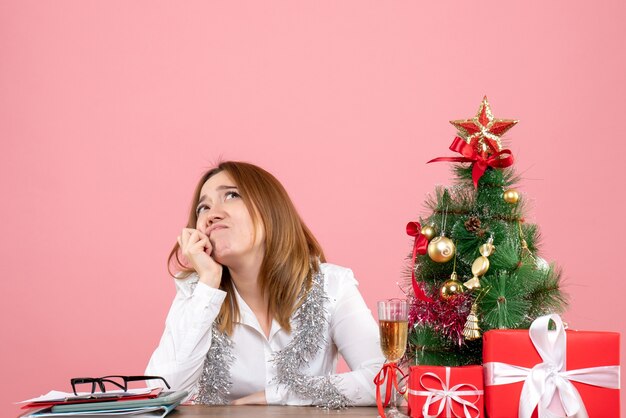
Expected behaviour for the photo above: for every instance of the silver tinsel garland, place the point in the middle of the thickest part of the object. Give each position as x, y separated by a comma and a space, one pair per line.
309, 323
308, 337
214, 384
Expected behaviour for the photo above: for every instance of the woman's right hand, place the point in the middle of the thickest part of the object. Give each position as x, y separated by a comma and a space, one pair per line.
196, 248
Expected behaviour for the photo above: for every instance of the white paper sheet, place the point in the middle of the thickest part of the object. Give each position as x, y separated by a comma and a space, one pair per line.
55, 395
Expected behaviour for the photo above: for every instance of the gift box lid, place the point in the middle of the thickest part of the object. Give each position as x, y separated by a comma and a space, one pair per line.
584, 348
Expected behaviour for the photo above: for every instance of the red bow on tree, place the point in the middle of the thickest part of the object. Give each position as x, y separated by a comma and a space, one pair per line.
420, 246
481, 161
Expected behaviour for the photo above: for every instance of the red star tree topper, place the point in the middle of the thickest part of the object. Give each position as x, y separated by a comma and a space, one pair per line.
483, 131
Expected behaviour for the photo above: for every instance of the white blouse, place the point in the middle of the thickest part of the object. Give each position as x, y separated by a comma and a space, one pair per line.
351, 330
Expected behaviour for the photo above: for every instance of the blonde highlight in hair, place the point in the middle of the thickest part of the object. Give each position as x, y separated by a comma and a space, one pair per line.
292, 254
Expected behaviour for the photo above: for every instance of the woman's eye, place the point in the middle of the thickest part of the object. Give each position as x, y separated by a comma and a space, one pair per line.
201, 209
231, 195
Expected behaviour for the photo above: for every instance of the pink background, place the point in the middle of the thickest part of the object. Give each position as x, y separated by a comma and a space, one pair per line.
110, 110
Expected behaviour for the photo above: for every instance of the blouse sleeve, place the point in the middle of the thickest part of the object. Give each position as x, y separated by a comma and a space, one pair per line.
355, 333
187, 336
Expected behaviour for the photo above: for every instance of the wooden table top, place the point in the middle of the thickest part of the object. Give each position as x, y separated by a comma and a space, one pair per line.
201, 411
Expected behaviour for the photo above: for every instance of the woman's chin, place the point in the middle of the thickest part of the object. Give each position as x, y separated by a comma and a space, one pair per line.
222, 256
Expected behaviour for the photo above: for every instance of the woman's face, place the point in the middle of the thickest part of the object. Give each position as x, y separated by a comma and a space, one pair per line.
225, 219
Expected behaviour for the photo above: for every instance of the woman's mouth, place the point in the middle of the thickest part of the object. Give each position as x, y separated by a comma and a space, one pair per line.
214, 228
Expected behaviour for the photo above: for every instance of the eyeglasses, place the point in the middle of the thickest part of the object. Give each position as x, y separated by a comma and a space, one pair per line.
119, 381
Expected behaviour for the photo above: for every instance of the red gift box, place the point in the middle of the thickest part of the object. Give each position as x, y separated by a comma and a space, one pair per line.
447, 391
547, 369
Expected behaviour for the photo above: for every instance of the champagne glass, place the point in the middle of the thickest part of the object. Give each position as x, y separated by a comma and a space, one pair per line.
393, 325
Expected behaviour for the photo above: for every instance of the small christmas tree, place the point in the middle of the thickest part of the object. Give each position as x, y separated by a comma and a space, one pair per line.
475, 260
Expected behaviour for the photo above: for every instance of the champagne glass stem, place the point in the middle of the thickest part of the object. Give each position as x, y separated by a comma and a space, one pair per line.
394, 393
392, 411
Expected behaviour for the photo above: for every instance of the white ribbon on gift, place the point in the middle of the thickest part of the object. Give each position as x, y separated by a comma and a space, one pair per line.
545, 378
446, 395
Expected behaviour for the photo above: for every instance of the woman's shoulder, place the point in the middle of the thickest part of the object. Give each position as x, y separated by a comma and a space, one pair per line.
337, 278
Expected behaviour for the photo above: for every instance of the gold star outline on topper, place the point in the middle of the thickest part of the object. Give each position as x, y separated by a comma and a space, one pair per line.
483, 131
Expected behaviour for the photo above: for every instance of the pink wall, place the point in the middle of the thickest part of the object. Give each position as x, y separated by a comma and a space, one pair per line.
109, 111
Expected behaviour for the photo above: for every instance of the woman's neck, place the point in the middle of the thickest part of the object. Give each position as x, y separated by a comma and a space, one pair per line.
245, 277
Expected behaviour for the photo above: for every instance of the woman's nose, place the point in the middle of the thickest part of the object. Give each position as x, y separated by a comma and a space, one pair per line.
213, 215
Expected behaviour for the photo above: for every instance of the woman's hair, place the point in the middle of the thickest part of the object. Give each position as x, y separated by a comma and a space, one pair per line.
292, 254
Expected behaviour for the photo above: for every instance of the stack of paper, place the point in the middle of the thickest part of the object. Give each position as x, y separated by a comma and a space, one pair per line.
134, 402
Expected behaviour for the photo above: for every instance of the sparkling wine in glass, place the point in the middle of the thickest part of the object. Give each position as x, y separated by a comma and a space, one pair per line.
393, 324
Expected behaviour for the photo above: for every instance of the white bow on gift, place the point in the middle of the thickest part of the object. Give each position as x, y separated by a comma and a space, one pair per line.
541, 382
446, 395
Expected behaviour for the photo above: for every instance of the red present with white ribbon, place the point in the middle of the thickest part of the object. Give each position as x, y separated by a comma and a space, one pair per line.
551, 373
450, 392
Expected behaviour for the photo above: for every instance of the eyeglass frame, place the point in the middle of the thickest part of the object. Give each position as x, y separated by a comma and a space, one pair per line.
101, 380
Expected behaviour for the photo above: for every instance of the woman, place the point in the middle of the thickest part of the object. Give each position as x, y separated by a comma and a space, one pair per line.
259, 317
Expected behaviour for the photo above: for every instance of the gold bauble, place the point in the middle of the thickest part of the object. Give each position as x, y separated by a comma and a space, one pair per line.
480, 266
511, 196
429, 232
450, 288
441, 249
